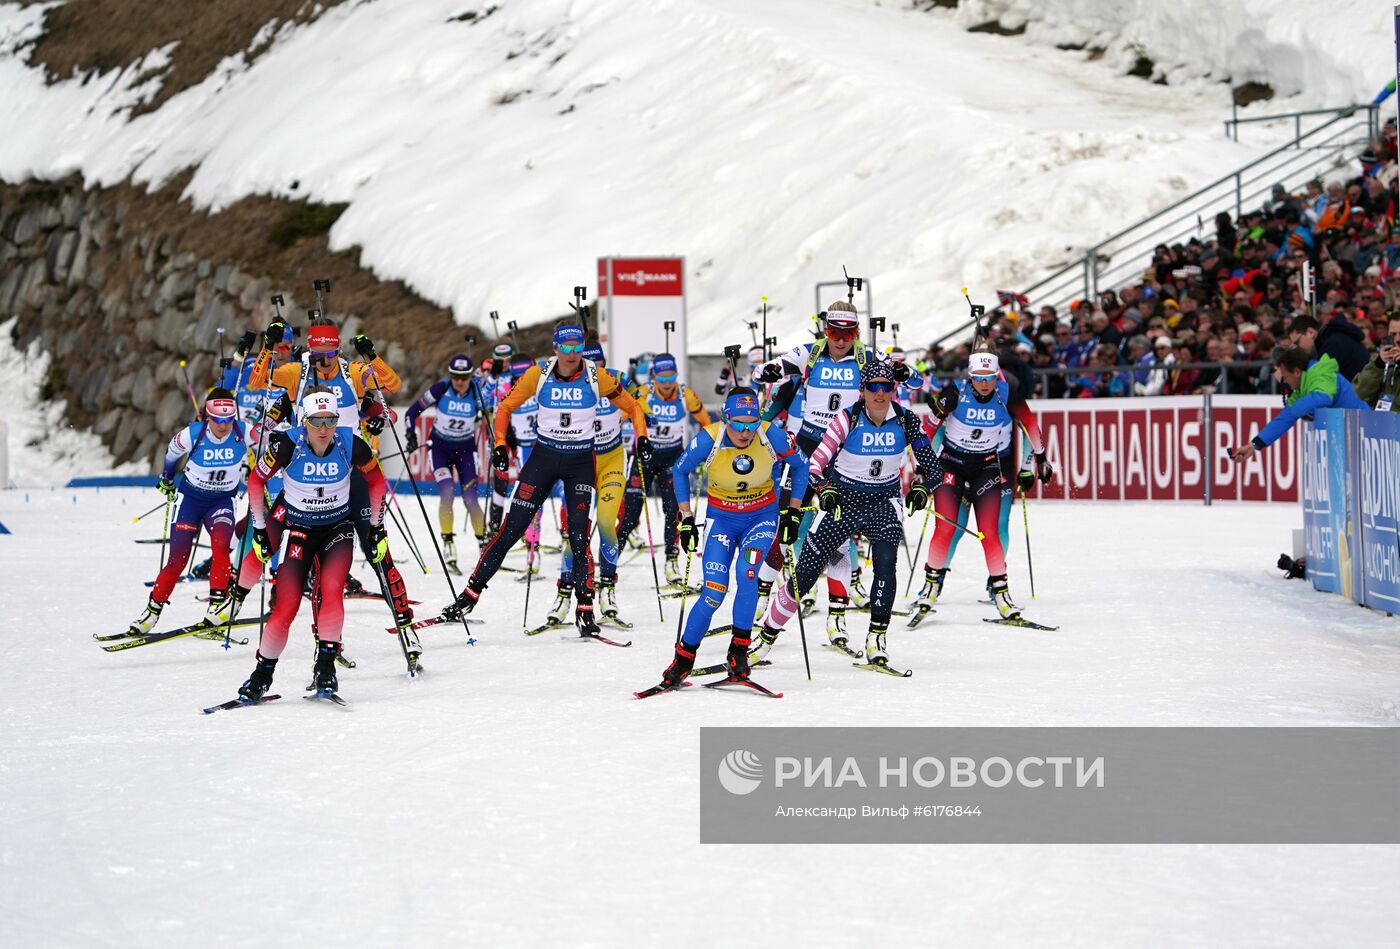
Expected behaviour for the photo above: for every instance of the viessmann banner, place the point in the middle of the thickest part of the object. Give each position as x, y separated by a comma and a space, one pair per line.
1165, 449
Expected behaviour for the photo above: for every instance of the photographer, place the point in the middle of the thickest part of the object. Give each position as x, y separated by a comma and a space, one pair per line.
1378, 383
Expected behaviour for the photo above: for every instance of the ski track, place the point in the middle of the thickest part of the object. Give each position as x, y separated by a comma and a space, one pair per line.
520, 772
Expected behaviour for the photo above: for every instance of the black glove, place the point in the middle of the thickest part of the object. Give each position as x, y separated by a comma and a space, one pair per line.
273, 334
900, 372
687, 535
771, 373
262, 547
917, 498
377, 544
945, 401
644, 449
1043, 469
374, 425
226, 362
245, 343
500, 458
826, 497
410, 443
789, 522
363, 345
1025, 480
280, 409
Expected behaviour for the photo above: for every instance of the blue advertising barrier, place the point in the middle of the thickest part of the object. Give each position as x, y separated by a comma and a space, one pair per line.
1351, 496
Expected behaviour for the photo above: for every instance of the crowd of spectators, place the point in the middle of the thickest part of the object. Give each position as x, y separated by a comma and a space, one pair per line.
1232, 297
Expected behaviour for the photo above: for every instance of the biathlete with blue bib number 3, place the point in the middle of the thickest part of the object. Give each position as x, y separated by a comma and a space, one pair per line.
568, 389
743, 458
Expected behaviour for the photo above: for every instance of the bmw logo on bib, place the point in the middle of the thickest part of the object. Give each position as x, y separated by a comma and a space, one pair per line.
743, 464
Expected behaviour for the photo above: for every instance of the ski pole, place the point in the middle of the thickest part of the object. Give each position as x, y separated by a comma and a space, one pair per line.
165, 531
413, 482
141, 517
948, 520
1026, 521
651, 546
797, 598
680, 620
913, 565
396, 515
529, 575
189, 387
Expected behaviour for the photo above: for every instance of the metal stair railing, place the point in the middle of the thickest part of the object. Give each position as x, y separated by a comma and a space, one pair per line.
1327, 146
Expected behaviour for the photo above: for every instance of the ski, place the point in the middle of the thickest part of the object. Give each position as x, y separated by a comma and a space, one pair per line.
919, 614
662, 687
719, 667
866, 609
239, 703
675, 592
615, 621
720, 631
884, 667
345, 662
325, 696
840, 646
1021, 622
596, 638
217, 635
548, 625
431, 621
453, 568
746, 683
146, 639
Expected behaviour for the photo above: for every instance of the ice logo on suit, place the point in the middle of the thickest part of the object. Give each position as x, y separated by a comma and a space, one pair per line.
743, 464
741, 772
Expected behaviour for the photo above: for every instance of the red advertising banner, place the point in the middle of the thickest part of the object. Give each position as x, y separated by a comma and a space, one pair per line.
642, 277
1164, 449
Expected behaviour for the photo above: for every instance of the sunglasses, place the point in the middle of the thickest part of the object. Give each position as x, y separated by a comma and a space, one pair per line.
322, 421
841, 334
666, 377
743, 426
983, 378
569, 349
881, 387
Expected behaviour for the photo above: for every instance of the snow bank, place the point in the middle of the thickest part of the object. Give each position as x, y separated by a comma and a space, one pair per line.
1326, 54
43, 449
488, 163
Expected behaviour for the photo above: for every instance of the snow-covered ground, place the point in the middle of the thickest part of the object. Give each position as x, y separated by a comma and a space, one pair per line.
43, 449
517, 795
488, 163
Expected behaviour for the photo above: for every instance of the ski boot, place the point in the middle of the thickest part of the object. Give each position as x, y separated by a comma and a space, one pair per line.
673, 570
680, 666
875, 653
559, 613
765, 590
147, 620
449, 554
860, 596
767, 636
583, 619
607, 595
465, 602
200, 571
260, 681
928, 594
323, 679
1001, 597
223, 608
836, 625
354, 587
737, 662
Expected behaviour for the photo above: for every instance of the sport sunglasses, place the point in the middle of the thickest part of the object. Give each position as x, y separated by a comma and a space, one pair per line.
885, 387
841, 334
743, 426
570, 349
322, 421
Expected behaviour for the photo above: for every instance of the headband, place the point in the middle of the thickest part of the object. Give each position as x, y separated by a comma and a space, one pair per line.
318, 403
568, 334
221, 409
323, 338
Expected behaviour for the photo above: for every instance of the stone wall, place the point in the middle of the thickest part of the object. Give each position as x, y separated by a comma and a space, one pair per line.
119, 288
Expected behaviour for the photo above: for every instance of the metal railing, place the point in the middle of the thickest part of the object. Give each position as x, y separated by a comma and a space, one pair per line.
1116, 259
1233, 123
